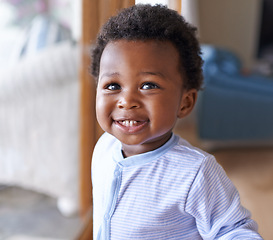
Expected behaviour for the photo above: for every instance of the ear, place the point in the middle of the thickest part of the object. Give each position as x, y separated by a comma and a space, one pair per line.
187, 103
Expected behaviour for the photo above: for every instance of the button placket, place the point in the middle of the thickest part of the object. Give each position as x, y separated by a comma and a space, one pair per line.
113, 198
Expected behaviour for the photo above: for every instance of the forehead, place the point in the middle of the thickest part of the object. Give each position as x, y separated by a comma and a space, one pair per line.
140, 54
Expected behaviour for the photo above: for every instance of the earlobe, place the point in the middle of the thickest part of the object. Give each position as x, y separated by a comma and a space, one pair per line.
187, 103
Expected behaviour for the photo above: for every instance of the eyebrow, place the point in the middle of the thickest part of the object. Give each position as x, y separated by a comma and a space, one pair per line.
109, 74
113, 74
152, 73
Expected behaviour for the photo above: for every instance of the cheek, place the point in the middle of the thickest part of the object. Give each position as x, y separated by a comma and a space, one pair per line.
167, 106
98, 102
102, 108
165, 111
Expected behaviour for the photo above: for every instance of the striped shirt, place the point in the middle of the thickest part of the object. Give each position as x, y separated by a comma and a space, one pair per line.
174, 192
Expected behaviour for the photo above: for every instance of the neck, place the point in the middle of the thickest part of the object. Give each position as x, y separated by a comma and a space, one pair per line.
131, 150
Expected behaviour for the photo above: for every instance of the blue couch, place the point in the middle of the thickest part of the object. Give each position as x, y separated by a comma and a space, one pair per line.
233, 106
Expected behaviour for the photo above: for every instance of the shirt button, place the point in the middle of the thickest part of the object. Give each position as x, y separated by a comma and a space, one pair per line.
117, 173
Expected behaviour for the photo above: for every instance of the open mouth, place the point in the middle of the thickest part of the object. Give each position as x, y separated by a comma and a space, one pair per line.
129, 123
131, 126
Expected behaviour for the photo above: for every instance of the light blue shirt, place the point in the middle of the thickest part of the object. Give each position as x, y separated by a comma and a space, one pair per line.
174, 192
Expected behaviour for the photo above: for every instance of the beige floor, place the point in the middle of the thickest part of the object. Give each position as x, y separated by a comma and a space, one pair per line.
29, 215
251, 170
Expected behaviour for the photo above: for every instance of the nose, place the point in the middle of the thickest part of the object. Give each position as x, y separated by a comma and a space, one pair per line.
129, 100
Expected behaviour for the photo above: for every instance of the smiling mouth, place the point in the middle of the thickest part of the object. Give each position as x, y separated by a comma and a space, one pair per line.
129, 123
131, 126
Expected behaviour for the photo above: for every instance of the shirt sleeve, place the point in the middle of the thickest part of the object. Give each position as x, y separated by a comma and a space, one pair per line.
215, 204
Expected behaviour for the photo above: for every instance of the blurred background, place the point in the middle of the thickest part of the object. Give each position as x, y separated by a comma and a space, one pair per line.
47, 120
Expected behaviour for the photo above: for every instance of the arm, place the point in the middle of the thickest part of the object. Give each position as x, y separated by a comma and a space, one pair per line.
215, 204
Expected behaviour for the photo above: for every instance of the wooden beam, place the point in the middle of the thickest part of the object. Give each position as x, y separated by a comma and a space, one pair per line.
175, 5
109, 8
86, 232
88, 126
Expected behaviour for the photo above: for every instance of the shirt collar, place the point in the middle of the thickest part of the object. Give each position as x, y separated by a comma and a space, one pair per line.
143, 157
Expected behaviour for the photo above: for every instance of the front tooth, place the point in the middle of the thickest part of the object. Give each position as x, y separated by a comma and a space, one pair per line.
129, 123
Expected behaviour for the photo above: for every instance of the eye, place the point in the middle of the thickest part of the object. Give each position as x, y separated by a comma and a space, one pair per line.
113, 87
149, 85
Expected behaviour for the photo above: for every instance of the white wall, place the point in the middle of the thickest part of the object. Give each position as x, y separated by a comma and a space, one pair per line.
231, 23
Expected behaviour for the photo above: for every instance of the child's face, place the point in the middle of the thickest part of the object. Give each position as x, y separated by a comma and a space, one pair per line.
140, 93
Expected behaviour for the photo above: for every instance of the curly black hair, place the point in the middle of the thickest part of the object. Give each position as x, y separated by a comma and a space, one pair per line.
145, 22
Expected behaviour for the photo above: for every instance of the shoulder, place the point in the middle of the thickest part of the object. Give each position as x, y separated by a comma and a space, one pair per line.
103, 147
184, 152
106, 138
184, 162
102, 156
105, 142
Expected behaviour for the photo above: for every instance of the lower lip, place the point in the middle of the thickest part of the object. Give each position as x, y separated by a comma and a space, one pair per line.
131, 129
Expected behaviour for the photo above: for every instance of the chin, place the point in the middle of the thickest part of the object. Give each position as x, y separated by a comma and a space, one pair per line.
130, 141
